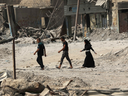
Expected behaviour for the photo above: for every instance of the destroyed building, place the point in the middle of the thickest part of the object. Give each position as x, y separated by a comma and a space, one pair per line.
91, 15
95, 14
35, 13
120, 15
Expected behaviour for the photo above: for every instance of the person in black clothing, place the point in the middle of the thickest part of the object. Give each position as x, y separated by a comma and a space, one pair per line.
40, 52
89, 61
65, 50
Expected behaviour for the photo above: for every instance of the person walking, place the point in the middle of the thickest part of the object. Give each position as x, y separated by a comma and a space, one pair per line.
40, 52
89, 61
65, 50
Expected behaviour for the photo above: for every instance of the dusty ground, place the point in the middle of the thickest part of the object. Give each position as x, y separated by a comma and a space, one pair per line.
110, 71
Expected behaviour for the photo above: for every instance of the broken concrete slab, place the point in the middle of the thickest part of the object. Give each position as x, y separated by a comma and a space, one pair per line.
21, 86
85, 92
44, 92
65, 85
119, 94
3, 75
93, 93
30, 94
5, 40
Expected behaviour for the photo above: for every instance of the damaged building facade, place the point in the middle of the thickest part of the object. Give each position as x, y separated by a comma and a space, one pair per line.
33, 13
120, 15
3, 12
91, 15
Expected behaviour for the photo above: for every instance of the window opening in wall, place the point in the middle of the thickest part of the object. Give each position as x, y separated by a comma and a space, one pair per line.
70, 8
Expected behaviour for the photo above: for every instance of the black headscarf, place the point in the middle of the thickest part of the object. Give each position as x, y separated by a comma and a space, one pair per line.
87, 42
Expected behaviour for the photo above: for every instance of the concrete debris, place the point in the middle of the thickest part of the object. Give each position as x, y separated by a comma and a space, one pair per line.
80, 30
121, 57
56, 32
25, 40
10, 86
36, 33
30, 32
5, 40
107, 35
47, 36
3, 75
28, 85
45, 92
30, 94
4, 52
5, 36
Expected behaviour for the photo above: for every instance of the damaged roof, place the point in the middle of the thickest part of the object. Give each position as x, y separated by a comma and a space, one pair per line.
35, 3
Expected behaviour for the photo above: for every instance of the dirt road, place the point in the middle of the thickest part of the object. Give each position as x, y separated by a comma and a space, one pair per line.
107, 74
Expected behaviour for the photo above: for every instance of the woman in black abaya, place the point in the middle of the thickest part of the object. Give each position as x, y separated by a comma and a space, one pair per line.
89, 61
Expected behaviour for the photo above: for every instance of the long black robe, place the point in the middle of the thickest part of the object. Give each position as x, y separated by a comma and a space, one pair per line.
89, 61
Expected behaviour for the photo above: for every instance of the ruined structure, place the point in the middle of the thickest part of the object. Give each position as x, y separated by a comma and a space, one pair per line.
92, 14
120, 15
35, 13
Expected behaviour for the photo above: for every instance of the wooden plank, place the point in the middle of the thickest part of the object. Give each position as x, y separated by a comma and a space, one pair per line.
67, 83
84, 92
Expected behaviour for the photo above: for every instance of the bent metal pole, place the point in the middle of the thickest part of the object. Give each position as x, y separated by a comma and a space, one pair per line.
11, 20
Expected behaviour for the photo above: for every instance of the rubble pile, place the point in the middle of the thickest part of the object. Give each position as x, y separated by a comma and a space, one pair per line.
80, 30
4, 52
56, 32
30, 83
25, 40
49, 36
106, 34
20, 86
5, 36
30, 32
35, 85
119, 57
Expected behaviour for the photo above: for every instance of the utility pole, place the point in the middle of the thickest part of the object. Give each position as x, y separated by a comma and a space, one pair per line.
77, 14
11, 20
109, 6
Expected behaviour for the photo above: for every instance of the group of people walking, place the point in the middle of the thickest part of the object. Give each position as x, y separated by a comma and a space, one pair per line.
88, 62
